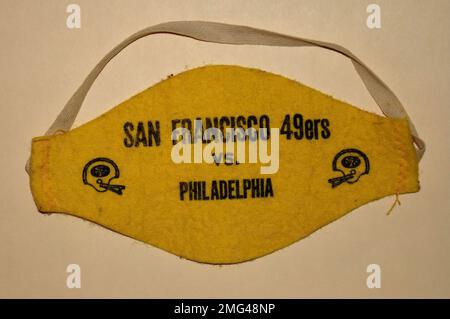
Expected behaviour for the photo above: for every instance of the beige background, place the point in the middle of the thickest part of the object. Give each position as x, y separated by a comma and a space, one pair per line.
42, 63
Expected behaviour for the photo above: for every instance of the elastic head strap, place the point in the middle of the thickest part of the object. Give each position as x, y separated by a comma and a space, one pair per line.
236, 34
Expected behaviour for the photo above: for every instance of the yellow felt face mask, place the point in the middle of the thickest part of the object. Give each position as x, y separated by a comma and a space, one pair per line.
119, 170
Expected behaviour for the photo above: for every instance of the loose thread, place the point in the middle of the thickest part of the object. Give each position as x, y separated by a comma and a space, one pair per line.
397, 201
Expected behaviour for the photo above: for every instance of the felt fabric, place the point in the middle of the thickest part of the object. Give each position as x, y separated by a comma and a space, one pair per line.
224, 231
224, 33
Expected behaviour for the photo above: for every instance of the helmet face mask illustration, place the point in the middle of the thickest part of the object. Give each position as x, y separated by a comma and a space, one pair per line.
99, 173
352, 163
232, 213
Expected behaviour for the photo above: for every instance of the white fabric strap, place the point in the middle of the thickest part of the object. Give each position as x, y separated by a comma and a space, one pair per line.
236, 34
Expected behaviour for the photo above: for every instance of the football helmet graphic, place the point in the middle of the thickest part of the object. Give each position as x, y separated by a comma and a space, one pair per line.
99, 173
352, 164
